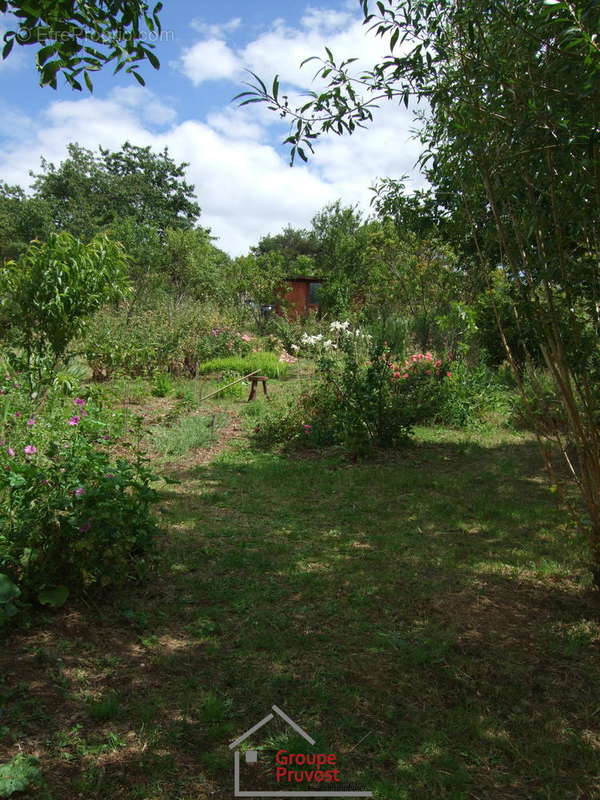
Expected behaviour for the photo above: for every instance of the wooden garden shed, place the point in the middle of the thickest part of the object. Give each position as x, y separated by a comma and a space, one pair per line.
301, 295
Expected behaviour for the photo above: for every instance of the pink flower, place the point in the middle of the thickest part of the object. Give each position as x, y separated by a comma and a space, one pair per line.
405, 375
31, 421
438, 363
109, 475
246, 338
396, 374
428, 356
10, 451
18, 414
106, 436
79, 401
30, 450
307, 428
79, 491
74, 420
448, 374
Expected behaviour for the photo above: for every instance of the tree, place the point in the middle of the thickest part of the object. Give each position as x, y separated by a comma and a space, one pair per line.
22, 219
77, 38
511, 146
193, 266
291, 243
51, 291
90, 192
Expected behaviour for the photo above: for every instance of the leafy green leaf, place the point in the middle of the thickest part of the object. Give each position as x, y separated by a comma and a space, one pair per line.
8, 590
19, 774
55, 596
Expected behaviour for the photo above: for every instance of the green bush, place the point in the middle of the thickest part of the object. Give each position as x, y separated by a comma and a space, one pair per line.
286, 334
71, 516
162, 386
267, 364
474, 395
361, 397
51, 291
171, 338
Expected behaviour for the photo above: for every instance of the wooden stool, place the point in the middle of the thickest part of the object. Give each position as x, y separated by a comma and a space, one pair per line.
255, 380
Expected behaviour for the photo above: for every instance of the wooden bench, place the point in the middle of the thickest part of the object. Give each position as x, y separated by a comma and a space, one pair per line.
255, 380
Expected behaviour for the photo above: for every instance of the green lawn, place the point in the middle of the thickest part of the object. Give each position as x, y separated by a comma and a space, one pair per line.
433, 603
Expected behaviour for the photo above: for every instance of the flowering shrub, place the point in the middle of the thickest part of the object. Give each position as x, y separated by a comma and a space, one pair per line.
224, 342
286, 334
361, 396
70, 515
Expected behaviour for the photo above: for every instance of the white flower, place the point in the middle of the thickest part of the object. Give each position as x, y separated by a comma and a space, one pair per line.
294, 347
339, 326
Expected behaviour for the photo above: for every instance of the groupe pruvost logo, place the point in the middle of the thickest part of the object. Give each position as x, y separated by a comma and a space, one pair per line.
286, 769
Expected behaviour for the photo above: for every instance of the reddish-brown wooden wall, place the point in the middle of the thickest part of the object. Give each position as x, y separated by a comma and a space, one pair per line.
295, 293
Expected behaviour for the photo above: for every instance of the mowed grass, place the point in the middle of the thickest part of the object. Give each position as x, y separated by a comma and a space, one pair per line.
426, 615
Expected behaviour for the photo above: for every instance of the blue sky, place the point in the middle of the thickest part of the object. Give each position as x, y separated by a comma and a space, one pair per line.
243, 182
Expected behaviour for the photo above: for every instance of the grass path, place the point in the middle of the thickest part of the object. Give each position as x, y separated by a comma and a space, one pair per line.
433, 605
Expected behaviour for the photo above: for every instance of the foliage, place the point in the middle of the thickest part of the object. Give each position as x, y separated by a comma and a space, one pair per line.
227, 386
285, 333
63, 28
362, 397
22, 772
72, 517
90, 192
189, 433
473, 395
342, 240
265, 363
256, 279
293, 244
417, 277
193, 266
22, 219
49, 293
70, 514
169, 337
162, 385
537, 406
9, 592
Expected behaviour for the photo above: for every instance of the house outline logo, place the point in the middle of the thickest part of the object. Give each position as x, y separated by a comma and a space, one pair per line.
253, 758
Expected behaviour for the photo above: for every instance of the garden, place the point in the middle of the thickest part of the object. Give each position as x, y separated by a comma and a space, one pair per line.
398, 543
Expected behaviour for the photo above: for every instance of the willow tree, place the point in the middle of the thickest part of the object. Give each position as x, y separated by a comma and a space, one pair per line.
511, 136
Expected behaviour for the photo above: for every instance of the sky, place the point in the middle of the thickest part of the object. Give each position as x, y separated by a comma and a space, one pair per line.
237, 162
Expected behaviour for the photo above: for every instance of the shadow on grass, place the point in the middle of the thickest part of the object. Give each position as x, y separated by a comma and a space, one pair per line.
434, 604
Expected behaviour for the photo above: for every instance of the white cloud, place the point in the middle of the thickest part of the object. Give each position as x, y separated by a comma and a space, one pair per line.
210, 59
152, 110
237, 123
216, 31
